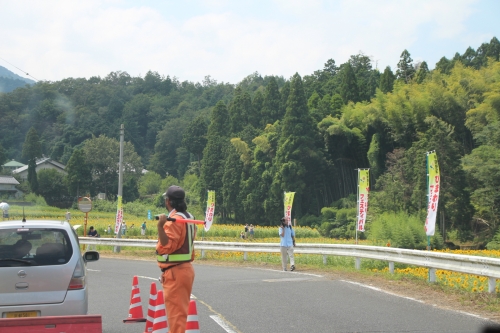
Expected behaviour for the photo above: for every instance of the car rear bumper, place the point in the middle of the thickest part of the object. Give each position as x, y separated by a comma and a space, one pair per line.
75, 303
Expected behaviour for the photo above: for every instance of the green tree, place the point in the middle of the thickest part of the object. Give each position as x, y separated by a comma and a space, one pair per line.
387, 80
212, 165
79, 174
299, 161
195, 138
240, 111
149, 184
103, 155
32, 149
231, 185
366, 77
349, 86
271, 110
422, 72
135, 119
405, 71
3, 155
51, 186
32, 177
165, 160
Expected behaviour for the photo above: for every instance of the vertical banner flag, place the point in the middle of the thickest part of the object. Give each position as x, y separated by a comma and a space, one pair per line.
363, 189
209, 213
119, 215
288, 206
434, 183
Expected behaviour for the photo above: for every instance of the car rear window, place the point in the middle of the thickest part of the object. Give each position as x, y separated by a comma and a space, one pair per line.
34, 247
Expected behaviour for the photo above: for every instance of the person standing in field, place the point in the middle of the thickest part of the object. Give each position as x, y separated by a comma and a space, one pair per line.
143, 228
175, 252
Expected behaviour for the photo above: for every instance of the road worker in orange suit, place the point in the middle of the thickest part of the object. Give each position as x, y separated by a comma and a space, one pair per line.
174, 254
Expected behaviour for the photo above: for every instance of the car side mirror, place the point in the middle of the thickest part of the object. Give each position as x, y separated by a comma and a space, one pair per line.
91, 256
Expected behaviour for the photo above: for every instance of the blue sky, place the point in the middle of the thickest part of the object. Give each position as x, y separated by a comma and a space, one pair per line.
228, 40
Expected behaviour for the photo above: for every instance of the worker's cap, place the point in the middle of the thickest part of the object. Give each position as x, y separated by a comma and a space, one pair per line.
174, 192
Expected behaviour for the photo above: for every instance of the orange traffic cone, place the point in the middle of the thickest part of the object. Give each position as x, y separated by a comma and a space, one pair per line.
160, 324
192, 325
135, 311
151, 309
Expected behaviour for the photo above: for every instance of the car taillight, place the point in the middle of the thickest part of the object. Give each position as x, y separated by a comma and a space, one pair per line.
78, 279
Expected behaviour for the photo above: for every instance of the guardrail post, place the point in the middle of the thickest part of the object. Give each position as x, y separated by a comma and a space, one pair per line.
244, 255
324, 259
432, 275
357, 265
391, 267
492, 283
203, 253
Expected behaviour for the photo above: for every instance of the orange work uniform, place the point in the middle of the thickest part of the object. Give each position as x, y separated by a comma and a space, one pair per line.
178, 276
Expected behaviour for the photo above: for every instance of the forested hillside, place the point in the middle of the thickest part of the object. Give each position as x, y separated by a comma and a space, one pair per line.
254, 140
10, 81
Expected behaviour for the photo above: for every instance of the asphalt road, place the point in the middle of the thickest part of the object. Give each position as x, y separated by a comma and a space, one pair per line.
253, 300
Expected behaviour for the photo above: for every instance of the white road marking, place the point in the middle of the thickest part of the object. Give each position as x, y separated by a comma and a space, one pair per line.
222, 323
287, 279
381, 290
275, 270
93, 270
147, 277
409, 298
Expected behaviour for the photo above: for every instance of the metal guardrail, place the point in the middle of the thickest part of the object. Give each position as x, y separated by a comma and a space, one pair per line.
476, 265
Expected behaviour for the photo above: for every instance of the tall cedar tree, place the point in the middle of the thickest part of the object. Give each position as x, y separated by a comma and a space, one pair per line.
405, 71
387, 80
231, 187
3, 155
212, 165
32, 178
271, 110
299, 161
240, 111
195, 138
349, 85
362, 67
285, 91
32, 149
422, 72
257, 106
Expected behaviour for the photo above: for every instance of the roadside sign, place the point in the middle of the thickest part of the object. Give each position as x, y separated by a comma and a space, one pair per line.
149, 215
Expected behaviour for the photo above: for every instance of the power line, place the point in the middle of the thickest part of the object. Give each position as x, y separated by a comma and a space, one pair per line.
19, 69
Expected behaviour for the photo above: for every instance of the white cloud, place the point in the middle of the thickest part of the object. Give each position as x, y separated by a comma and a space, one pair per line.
57, 39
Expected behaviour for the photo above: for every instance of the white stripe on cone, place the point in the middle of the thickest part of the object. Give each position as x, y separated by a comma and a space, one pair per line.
192, 325
160, 322
151, 309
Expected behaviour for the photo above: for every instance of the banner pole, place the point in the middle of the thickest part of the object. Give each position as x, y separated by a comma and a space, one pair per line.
357, 215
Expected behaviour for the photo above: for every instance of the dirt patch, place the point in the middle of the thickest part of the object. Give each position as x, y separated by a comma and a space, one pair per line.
484, 305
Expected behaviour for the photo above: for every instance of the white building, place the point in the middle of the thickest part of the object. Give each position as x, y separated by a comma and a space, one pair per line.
41, 164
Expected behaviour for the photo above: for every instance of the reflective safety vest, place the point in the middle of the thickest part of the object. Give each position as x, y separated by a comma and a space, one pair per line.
185, 252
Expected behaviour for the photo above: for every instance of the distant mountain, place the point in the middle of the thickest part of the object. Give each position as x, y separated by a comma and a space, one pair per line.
10, 81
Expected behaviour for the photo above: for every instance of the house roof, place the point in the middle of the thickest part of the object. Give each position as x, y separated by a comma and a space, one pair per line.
8, 180
38, 162
13, 163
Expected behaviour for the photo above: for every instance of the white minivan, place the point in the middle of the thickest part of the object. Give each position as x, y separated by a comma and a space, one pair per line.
42, 271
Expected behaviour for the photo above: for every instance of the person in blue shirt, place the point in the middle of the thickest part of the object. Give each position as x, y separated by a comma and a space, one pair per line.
287, 242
